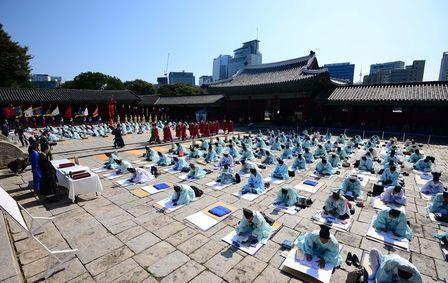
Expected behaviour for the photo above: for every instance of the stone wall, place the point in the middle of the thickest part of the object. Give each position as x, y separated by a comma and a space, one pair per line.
8, 153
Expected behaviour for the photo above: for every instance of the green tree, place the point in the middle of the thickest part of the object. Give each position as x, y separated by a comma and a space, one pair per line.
14, 62
140, 87
179, 89
93, 80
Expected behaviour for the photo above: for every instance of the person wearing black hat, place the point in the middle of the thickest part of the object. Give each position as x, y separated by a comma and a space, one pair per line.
253, 228
337, 205
392, 220
320, 244
280, 171
324, 168
392, 268
434, 186
439, 206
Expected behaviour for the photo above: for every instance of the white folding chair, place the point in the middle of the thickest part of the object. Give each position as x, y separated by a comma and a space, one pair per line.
14, 210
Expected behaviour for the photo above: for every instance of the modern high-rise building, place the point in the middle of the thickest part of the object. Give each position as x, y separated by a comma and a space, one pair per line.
395, 72
205, 80
248, 54
341, 71
443, 75
220, 65
181, 77
45, 81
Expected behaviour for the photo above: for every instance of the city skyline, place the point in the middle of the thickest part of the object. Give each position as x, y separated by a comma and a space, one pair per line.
70, 38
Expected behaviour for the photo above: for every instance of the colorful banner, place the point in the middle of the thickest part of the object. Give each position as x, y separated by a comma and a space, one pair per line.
95, 113
29, 112
68, 112
8, 112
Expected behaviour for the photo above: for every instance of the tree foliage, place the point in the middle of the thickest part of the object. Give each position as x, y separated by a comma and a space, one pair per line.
94, 80
140, 87
14, 62
179, 89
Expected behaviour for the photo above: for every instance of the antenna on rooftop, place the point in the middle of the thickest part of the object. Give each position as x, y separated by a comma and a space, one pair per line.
257, 34
360, 75
167, 62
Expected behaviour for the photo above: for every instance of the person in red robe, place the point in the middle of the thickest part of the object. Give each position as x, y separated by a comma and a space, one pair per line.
230, 126
191, 130
44, 122
196, 130
154, 134
183, 131
167, 137
178, 130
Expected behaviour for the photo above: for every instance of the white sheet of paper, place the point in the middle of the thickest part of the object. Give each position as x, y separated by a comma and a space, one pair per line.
249, 197
217, 186
202, 220
425, 196
322, 218
168, 204
183, 177
151, 190
286, 209
125, 182
388, 238
138, 161
244, 247
113, 175
379, 204
170, 170
274, 181
100, 169
309, 267
307, 188
245, 175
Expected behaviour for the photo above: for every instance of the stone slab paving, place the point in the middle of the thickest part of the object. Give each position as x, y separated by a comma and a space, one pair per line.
122, 237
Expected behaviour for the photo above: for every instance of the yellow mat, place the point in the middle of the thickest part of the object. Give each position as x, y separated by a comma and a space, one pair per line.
137, 152
101, 157
140, 193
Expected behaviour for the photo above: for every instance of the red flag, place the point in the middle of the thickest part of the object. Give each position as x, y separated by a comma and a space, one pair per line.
68, 112
111, 111
95, 113
8, 112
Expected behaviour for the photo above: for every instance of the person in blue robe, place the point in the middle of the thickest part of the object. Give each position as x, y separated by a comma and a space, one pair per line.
334, 160
183, 195
337, 205
393, 195
287, 196
234, 152
255, 184
247, 153
276, 145
180, 164
392, 268
152, 155
195, 152
322, 245
434, 186
439, 205
299, 163
35, 167
196, 172
211, 155
389, 177
366, 163
280, 171
219, 149
227, 176
164, 159
351, 187
179, 148
415, 156
253, 228
328, 146
123, 166
287, 153
324, 167
320, 152
393, 220
309, 158
269, 159
226, 159
110, 163
424, 164
204, 145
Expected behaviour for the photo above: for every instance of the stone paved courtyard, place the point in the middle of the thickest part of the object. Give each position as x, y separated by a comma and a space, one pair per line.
123, 238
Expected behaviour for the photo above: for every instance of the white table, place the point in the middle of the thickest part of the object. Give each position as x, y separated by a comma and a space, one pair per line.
90, 184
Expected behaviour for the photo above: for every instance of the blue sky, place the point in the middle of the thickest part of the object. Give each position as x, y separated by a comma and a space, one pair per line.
131, 39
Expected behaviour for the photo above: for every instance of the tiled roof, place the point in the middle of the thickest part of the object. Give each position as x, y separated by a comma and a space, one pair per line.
424, 91
273, 73
148, 100
189, 100
28, 95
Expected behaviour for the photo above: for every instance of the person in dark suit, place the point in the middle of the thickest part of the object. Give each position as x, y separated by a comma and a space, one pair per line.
48, 181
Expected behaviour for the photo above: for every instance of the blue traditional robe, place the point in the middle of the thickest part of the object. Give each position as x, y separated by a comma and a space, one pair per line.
184, 197
289, 199
281, 172
423, 166
388, 175
211, 156
227, 176
299, 164
257, 228
196, 173
180, 164
438, 205
255, 184
353, 187
397, 225
389, 264
324, 169
164, 160
310, 244
309, 158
